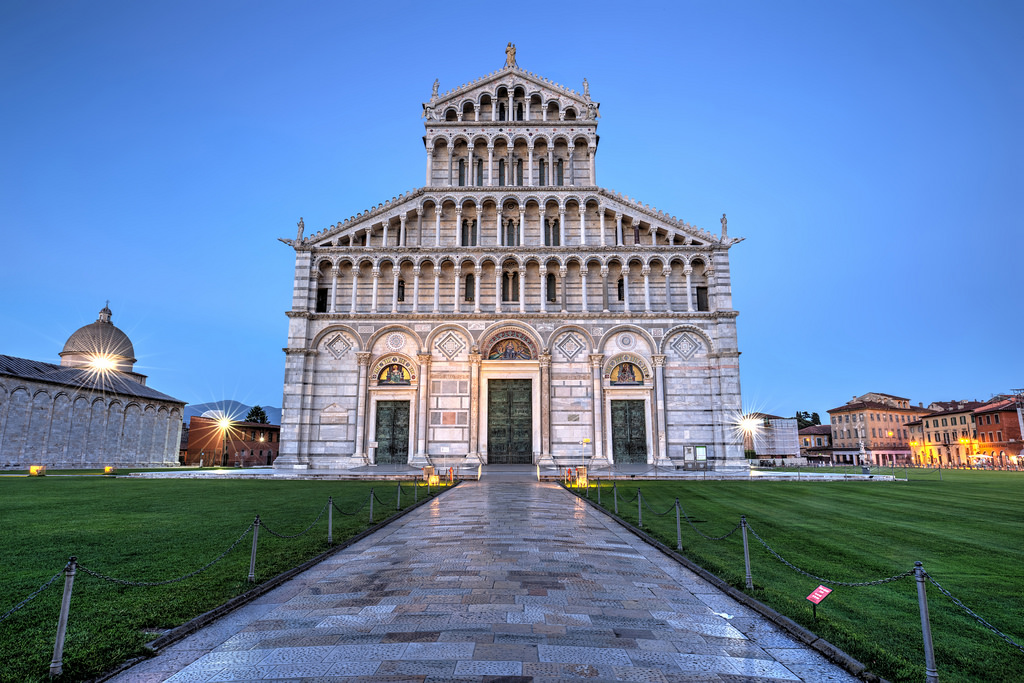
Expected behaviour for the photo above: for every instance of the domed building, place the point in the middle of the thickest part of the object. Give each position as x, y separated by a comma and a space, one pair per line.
91, 410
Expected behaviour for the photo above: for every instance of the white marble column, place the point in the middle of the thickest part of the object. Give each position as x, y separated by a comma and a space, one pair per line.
334, 289
544, 289
437, 288
646, 272
659, 381
490, 166
551, 164
416, 289
544, 360
477, 274
709, 275
419, 226
618, 229
376, 282
583, 225
458, 226
355, 287
423, 385
437, 226
688, 271
572, 165
521, 227
667, 274
604, 288
562, 273
394, 291
479, 226
583, 286
363, 358
596, 361
497, 289
522, 290
529, 163
625, 286
401, 232
591, 157
451, 159
600, 211
474, 405
501, 227
457, 287
430, 165
384, 239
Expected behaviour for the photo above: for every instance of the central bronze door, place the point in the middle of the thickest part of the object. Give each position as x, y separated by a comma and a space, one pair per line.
392, 433
509, 422
629, 432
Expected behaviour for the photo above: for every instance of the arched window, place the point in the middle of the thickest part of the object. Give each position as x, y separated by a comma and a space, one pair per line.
519, 112
519, 172
622, 290
559, 172
321, 299
551, 236
550, 286
510, 286
501, 111
471, 287
543, 169
501, 172
702, 299
401, 290
479, 171
462, 172
511, 234
465, 234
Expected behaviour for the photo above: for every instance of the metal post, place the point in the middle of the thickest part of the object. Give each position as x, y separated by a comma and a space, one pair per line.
255, 540
371, 506
615, 495
746, 552
598, 491
639, 509
940, 470
330, 520
415, 493
56, 665
679, 529
398, 505
930, 672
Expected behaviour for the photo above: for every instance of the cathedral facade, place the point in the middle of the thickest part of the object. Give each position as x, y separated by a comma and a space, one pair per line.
511, 310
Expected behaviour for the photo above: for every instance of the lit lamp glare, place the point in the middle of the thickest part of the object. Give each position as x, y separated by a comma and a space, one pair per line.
37, 470
102, 363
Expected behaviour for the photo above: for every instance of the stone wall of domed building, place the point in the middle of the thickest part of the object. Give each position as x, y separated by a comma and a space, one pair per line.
90, 411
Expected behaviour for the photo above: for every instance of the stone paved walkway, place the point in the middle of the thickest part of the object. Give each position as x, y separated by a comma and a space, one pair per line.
494, 581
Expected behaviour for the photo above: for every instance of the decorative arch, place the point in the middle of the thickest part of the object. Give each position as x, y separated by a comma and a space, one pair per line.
666, 341
405, 329
510, 342
581, 342
615, 366
393, 369
639, 331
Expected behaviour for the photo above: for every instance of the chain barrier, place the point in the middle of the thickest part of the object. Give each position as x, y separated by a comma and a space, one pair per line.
973, 614
849, 584
377, 498
659, 514
704, 535
31, 597
623, 500
351, 514
180, 578
301, 533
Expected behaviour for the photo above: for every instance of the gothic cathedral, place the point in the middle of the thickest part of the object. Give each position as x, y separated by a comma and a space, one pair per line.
511, 310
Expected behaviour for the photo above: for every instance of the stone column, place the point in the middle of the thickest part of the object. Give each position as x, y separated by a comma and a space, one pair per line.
497, 288
625, 287
583, 286
421, 420
314, 281
437, 288
529, 163
384, 239
419, 226
646, 272
591, 155
596, 361
451, 153
335, 271
526, 113
561, 226
600, 211
659, 387
545, 409
490, 166
394, 291
458, 226
618, 229
437, 225
401, 232
474, 406
667, 274
469, 167
501, 227
687, 271
477, 273
479, 226
562, 272
430, 165
583, 225
604, 288
458, 278
363, 358
544, 289
373, 297
355, 286
709, 275
551, 164
416, 289
522, 289
572, 164
511, 108
521, 227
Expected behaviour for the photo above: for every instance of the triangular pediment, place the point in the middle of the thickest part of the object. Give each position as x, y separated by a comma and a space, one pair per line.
512, 77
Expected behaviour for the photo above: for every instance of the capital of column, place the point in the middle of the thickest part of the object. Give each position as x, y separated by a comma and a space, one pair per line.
479, 213
475, 358
451, 146
596, 360
437, 273
688, 270
583, 210
458, 211
315, 275
402, 219
563, 271
376, 272
666, 271
710, 273
645, 271
658, 360
604, 271
363, 357
478, 271
490, 146
543, 270
545, 360
458, 272
396, 273
423, 358
335, 271
522, 271
419, 211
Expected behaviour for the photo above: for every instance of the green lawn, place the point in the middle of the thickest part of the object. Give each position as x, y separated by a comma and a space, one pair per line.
967, 529
149, 530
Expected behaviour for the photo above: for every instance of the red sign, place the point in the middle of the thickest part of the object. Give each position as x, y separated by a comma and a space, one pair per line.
819, 594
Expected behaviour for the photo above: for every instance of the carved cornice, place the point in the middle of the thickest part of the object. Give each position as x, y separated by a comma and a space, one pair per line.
671, 318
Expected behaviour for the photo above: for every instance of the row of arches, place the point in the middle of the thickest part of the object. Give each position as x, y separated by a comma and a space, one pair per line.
56, 427
484, 221
513, 103
525, 284
497, 160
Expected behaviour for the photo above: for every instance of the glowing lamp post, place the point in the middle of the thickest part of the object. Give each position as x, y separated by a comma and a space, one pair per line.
224, 424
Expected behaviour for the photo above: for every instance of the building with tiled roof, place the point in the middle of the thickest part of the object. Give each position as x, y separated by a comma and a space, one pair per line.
90, 411
1000, 424
946, 436
872, 429
816, 443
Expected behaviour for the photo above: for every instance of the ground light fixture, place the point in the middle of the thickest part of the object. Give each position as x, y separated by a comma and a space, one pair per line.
37, 470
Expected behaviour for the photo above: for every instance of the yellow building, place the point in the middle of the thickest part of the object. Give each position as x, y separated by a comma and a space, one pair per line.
873, 429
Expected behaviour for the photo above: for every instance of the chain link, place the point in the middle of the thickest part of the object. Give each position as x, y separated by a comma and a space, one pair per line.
623, 500
849, 584
659, 514
351, 514
305, 531
180, 578
973, 614
704, 535
31, 596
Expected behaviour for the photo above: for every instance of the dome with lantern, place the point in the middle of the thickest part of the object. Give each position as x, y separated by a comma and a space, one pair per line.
100, 346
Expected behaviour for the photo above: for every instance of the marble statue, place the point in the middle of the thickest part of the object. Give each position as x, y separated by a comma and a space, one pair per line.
510, 57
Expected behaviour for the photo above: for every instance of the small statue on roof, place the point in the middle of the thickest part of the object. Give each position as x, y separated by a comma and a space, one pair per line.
302, 226
725, 227
433, 93
510, 56
586, 89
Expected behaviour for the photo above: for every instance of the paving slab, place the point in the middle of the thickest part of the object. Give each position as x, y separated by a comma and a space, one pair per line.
497, 580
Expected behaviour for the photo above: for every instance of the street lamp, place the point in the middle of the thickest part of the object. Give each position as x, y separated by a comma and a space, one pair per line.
224, 424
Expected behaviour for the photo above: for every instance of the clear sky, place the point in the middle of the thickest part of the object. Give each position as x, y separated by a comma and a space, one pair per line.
869, 152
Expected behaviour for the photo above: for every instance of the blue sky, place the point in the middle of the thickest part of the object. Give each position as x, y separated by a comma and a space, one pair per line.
869, 152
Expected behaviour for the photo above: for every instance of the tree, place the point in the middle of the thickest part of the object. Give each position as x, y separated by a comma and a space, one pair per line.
805, 419
258, 415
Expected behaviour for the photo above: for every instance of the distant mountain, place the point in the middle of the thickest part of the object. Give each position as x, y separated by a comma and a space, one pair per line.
233, 409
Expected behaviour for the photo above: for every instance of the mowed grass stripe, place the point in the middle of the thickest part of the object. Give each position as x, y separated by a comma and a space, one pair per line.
148, 530
967, 529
